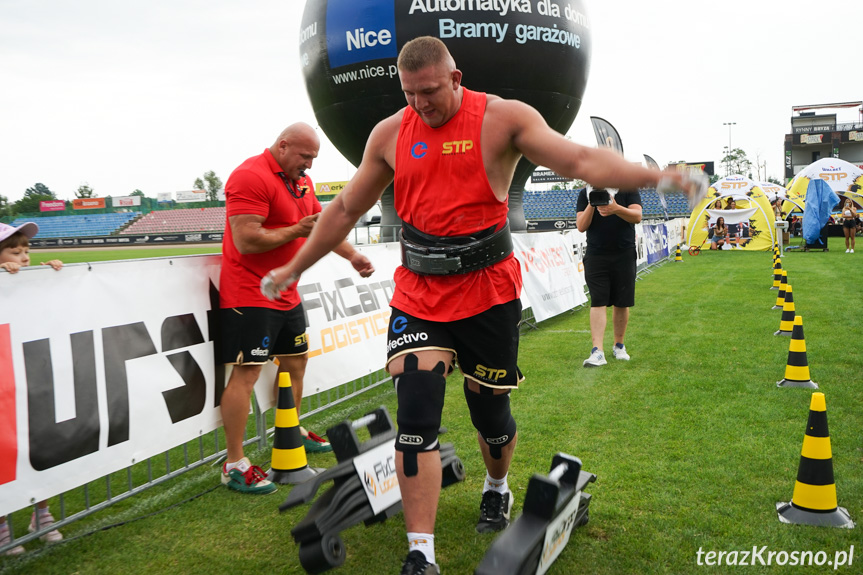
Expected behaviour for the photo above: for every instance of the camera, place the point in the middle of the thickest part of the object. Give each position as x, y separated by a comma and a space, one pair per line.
600, 196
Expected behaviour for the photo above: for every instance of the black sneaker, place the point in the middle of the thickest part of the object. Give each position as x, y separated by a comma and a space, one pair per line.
494, 511
416, 564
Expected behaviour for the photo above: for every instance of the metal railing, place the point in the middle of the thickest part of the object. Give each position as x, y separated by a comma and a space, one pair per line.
100, 494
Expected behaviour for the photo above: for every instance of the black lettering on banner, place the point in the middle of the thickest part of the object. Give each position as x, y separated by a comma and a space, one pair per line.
180, 331
53, 443
187, 401
121, 343
214, 326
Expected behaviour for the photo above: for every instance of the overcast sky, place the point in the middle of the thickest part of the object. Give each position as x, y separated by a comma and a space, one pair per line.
132, 94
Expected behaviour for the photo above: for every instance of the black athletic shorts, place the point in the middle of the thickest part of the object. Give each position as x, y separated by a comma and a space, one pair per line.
610, 278
251, 335
850, 224
485, 345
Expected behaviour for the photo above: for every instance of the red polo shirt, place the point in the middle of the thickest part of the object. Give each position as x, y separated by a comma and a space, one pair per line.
256, 188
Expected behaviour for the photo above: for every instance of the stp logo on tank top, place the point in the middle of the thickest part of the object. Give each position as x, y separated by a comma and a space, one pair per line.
457, 147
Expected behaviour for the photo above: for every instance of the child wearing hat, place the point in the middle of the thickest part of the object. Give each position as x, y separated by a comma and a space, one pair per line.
15, 247
14, 255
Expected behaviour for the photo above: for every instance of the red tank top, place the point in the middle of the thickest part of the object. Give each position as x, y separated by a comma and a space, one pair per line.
441, 188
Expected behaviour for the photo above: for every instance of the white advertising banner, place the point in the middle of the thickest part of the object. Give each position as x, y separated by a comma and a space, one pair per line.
106, 364
192, 196
550, 273
101, 366
640, 248
125, 367
123, 201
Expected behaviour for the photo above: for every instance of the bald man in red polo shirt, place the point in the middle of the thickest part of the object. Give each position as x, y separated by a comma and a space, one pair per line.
271, 209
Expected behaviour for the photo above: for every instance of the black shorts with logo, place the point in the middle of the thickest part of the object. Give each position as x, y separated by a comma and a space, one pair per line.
251, 335
610, 278
485, 345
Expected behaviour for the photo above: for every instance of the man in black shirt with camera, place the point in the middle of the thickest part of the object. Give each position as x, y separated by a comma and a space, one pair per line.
609, 219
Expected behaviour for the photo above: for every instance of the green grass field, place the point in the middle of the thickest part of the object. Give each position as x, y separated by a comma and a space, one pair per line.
691, 441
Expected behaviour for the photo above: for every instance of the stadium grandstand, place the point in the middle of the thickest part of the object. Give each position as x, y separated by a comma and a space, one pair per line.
79, 226
538, 205
171, 221
560, 204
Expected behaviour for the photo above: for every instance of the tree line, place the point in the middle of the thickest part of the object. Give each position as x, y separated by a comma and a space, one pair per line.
39, 192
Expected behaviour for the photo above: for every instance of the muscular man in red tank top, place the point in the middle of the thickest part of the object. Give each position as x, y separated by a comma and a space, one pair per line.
476, 321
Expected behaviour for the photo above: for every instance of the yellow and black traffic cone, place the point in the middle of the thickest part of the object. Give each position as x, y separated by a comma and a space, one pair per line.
797, 368
780, 298
786, 324
289, 456
814, 499
777, 273
677, 257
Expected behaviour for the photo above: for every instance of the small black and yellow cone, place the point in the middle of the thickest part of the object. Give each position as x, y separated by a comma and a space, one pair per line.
814, 499
289, 456
797, 368
786, 324
777, 273
780, 298
677, 257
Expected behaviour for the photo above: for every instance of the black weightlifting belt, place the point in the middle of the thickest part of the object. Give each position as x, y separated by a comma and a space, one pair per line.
444, 255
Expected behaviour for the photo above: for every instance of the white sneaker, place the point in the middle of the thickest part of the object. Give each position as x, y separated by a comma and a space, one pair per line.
852, 250
45, 521
6, 537
620, 353
848, 251
596, 358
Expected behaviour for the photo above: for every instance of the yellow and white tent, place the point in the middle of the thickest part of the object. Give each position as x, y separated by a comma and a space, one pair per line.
772, 191
843, 177
752, 221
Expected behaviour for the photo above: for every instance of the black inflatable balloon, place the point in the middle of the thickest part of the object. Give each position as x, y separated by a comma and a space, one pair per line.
536, 51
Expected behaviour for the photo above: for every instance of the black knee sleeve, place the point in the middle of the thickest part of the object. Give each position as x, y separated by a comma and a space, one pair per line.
420, 398
491, 417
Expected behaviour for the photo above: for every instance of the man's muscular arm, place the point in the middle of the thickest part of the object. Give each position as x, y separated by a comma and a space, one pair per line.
251, 237
540, 144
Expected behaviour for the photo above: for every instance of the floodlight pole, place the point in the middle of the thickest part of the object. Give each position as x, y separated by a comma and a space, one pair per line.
729, 124
728, 165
